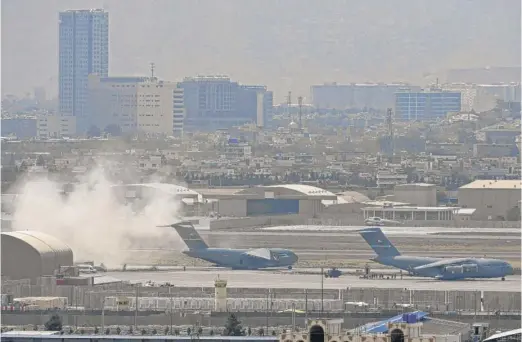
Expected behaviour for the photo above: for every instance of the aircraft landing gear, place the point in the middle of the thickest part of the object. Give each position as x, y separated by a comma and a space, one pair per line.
503, 278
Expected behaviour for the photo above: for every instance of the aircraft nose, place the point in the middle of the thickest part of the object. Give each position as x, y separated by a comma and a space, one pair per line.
509, 269
295, 257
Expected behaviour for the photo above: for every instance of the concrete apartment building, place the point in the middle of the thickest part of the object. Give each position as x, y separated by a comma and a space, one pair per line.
357, 95
493, 200
40, 126
55, 126
484, 97
136, 104
83, 50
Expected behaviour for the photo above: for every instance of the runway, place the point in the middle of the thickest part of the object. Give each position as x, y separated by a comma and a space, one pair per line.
367, 254
290, 279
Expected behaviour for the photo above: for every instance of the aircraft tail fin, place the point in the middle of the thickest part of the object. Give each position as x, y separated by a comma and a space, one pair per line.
379, 242
189, 235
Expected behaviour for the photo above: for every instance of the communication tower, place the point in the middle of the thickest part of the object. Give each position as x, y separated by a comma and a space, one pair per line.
300, 102
389, 123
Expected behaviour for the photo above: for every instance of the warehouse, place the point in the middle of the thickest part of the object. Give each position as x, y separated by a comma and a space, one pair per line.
496, 200
31, 254
284, 199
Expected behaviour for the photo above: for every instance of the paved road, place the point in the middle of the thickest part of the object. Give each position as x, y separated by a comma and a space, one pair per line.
286, 279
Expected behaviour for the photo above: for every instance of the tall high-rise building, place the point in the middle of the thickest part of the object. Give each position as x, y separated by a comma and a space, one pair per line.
83, 50
216, 102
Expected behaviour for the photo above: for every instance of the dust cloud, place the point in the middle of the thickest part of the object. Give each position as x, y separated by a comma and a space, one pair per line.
93, 222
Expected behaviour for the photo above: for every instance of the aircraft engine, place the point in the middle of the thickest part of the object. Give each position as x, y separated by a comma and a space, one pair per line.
467, 268
454, 269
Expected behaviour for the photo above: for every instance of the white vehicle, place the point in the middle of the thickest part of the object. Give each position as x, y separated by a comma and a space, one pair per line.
86, 269
374, 221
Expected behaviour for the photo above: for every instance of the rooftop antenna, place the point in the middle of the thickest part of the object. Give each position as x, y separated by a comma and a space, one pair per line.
389, 122
152, 67
300, 102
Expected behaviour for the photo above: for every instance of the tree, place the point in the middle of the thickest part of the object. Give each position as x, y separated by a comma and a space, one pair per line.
35, 327
82, 332
113, 130
54, 323
118, 330
154, 331
233, 326
40, 160
273, 333
261, 332
211, 332
107, 331
143, 332
513, 214
249, 331
200, 331
166, 331
131, 330
93, 131
176, 331
96, 331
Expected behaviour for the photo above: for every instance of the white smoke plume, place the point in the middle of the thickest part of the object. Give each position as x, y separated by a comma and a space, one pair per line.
93, 222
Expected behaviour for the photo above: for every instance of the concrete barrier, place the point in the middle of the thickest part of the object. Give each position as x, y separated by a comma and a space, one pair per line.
91, 297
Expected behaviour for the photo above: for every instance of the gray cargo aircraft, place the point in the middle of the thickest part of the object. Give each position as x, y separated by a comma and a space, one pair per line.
438, 268
244, 259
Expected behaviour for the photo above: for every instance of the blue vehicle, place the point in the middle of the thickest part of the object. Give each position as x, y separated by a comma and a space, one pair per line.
237, 259
332, 273
438, 268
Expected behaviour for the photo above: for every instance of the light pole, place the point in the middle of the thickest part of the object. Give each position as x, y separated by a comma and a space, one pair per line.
322, 289
103, 315
170, 295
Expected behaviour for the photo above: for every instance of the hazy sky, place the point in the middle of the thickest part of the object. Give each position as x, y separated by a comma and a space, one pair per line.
285, 44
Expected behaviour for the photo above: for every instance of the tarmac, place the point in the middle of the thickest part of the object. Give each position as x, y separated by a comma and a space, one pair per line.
291, 279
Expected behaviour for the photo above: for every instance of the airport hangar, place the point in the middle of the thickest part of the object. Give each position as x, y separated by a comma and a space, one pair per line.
32, 254
492, 199
283, 199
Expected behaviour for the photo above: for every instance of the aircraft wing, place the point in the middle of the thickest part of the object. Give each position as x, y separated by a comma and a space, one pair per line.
262, 253
444, 263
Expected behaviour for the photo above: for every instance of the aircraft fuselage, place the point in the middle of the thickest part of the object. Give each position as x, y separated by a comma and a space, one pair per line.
475, 268
239, 259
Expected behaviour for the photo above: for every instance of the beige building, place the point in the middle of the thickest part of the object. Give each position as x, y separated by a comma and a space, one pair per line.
421, 194
494, 200
136, 104
55, 126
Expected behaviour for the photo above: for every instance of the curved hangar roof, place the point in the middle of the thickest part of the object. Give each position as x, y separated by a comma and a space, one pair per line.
291, 190
172, 189
31, 254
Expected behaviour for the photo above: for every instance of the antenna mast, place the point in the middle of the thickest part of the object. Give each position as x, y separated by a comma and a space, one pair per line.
389, 122
300, 102
289, 104
152, 67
